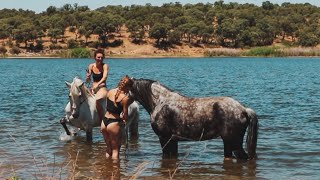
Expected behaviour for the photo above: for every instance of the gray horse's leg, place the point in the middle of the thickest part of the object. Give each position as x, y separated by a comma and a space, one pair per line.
227, 148
241, 154
234, 146
89, 134
133, 127
169, 148
239, 151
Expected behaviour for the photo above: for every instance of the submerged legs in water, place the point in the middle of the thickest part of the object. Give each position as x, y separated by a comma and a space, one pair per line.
112, 136
169, 148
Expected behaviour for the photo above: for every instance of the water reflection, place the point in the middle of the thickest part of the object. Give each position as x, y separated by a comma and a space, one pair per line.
177, 168
87, 159
239, 168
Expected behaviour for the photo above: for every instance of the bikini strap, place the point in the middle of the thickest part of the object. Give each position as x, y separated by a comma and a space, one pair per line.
123, 97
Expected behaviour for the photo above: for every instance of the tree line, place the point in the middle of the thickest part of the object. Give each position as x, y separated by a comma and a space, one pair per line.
219, 24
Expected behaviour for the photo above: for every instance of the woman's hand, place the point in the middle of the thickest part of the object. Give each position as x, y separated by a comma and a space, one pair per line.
94, 87
88, 76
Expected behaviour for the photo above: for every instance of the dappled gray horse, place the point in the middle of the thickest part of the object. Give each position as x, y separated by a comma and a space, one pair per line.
175, 117
81, 110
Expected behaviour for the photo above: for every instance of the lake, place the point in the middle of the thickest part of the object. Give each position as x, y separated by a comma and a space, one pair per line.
284, 92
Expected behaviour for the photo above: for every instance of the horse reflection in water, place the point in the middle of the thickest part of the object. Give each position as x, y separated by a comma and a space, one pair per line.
175, 117
81, 111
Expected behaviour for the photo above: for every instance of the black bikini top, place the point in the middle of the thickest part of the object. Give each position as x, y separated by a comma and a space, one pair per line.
114, 109
97, 77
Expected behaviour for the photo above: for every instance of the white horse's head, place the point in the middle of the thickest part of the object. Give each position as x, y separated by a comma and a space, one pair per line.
78, 94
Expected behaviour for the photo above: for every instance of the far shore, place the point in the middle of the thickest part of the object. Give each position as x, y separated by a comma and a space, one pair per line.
148, 51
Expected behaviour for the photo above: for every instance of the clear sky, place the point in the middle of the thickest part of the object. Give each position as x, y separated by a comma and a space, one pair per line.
41, 5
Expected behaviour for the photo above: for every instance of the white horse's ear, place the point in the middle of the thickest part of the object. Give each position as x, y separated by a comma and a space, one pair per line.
68, 84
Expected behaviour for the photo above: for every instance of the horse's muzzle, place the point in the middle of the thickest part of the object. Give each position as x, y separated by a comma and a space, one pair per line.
74, 114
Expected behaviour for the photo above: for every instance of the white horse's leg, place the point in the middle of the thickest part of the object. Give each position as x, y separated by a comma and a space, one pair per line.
67, 110
64, 120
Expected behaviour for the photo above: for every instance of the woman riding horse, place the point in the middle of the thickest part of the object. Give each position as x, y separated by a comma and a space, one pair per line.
99, 73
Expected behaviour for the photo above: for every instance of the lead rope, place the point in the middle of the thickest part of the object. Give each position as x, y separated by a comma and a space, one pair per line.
127, 137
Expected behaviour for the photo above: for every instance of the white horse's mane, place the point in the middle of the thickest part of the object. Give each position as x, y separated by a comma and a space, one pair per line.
79, 83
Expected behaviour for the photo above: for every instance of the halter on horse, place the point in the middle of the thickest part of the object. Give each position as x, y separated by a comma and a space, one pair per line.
175, 117
81, 110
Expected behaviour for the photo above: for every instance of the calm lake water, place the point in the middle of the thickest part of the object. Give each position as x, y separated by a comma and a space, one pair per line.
284, 92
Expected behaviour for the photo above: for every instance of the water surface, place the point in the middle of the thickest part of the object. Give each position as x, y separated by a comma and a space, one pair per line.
284, 92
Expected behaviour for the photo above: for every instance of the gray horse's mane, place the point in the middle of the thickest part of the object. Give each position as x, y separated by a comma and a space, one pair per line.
150, 82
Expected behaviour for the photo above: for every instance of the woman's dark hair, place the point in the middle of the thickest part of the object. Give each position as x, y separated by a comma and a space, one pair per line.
99, 51
125, 82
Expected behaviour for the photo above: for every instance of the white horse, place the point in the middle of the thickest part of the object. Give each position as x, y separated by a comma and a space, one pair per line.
81, 111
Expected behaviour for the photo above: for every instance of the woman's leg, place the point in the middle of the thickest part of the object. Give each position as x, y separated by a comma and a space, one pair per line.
107, 139
114, 130
101, 102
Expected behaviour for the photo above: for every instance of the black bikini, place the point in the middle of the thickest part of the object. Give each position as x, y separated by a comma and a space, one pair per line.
108, 121
113, 109
97, 77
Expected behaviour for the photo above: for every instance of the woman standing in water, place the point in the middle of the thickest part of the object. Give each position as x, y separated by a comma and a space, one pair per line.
118, 102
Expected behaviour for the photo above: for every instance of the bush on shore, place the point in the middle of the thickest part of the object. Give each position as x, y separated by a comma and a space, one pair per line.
76, 53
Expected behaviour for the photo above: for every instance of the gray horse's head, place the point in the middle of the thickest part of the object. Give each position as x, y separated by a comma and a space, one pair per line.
77, 96
141, 91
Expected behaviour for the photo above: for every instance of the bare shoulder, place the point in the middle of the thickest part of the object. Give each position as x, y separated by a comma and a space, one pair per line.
91, 65
112, 91
105, 66
127, 100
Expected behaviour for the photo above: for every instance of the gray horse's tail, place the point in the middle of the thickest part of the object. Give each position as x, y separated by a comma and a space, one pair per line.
252, 134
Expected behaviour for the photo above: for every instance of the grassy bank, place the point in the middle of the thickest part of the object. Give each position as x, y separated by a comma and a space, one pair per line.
272, 51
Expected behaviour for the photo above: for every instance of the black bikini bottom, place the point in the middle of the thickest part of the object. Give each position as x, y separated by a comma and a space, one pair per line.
108, 121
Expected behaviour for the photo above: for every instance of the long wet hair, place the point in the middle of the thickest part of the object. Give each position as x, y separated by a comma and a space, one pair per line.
125, 82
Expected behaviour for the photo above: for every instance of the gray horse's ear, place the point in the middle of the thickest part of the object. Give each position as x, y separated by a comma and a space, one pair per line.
68, 84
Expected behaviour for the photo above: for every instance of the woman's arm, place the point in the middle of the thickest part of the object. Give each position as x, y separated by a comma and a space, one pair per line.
126, 102
89, 72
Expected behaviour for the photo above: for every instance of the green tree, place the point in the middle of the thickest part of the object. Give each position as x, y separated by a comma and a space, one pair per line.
25, 33
3, 51
159, 31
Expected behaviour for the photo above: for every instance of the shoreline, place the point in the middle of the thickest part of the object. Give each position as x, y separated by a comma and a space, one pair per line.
155, 57
189, 53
